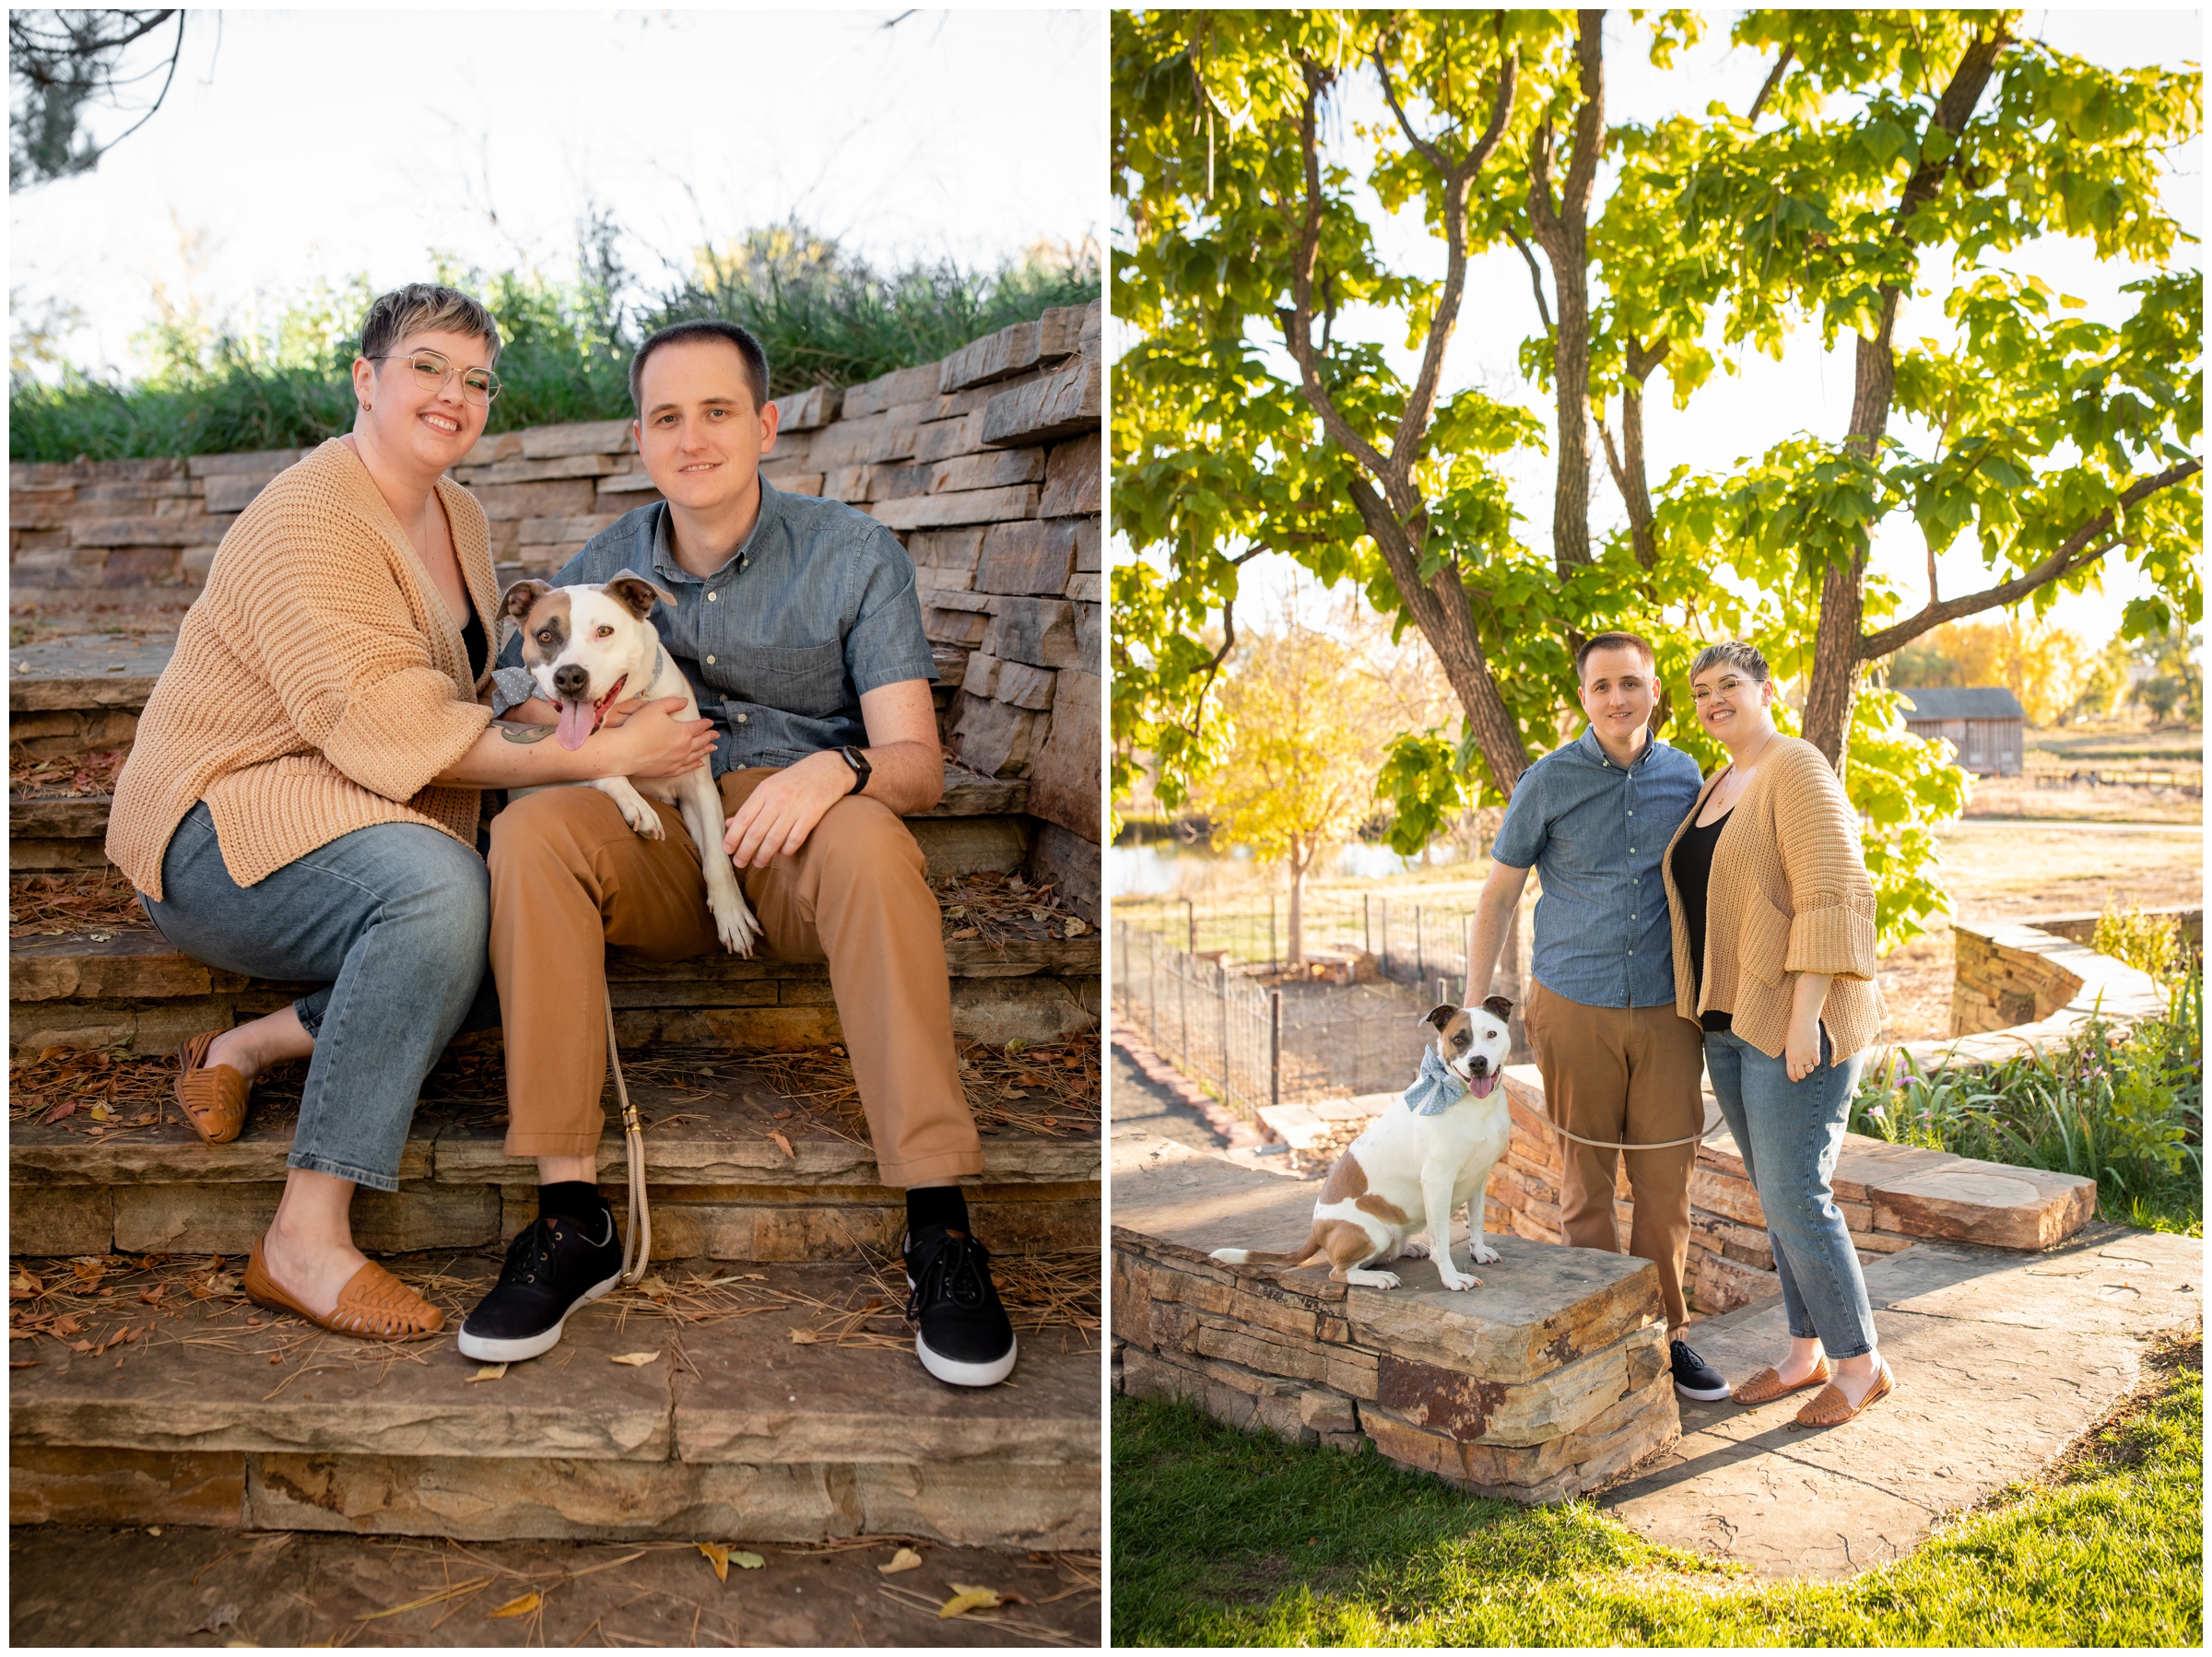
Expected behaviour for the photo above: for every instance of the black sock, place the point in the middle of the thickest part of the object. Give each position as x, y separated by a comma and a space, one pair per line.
944, 1205
571, 1199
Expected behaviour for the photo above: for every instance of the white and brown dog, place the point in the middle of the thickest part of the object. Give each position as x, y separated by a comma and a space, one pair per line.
1417, 1163
589, 647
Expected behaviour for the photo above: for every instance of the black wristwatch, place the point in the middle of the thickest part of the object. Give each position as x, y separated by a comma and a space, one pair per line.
859, 762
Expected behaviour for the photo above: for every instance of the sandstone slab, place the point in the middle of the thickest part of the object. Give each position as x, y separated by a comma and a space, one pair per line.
1538, 1310
2001, 1363
1989, 1203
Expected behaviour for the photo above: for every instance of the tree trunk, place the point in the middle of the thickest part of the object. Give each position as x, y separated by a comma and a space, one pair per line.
1297, 957
1442, 611
1838, 650
1562, 230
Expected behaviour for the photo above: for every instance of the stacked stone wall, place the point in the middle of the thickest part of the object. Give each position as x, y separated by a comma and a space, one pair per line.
987, 466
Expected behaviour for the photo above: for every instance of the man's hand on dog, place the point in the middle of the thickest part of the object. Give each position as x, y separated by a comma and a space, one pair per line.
782, 812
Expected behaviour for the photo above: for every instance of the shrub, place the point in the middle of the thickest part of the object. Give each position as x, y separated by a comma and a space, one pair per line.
2124, 1109
2151, 944
824, 319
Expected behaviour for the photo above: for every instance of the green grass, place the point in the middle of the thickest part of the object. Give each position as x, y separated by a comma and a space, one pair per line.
1226, 1538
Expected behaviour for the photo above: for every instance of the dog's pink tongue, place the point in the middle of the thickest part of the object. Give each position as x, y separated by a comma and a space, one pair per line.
576, 721
1482, 1084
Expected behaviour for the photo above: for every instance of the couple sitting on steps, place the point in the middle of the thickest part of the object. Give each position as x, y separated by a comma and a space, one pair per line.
301, 802
1725, 928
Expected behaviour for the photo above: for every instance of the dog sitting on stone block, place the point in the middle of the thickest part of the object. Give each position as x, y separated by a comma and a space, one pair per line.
1417, 1163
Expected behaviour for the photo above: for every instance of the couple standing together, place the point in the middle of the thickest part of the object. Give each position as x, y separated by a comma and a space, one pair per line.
302, 803
1724, 926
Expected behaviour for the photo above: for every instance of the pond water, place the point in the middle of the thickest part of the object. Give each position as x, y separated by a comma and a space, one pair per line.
1152, 869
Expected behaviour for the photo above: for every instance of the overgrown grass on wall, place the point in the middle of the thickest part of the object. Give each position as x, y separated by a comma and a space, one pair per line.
824, 320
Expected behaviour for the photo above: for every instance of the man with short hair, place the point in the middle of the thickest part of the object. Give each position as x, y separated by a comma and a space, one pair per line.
1620, 1067
797, 624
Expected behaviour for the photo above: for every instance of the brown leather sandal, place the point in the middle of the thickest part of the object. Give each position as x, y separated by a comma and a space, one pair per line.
1767, 1386
373, 1305
1833, 1409
213, 1099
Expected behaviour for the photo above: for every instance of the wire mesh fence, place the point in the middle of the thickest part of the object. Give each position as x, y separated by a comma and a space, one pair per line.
1412, 943
1252, 1044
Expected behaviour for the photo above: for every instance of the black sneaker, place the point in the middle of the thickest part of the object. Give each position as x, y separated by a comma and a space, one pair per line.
1694, 1377
552, 1268
963, 1335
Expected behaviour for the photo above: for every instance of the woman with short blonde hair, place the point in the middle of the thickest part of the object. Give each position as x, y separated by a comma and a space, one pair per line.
300, 802
1773, 920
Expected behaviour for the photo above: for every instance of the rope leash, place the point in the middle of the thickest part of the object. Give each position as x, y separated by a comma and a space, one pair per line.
639, 1236
1660, 1144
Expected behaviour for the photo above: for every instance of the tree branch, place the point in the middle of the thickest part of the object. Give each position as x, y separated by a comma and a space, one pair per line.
1297, 321
1590, 119
2069, 556
1535, 280
1773, 80
1420, 404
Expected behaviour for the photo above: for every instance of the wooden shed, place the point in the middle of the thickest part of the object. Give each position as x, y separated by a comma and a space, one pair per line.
1985, 723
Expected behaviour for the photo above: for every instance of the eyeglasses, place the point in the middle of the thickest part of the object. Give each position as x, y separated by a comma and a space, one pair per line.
432, 370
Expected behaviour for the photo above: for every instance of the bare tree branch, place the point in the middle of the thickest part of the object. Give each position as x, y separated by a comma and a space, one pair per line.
2069, 556
1773, 80
1535, 280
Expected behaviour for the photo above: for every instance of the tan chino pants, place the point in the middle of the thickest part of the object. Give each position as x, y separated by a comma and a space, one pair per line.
1628, 1076
568, 876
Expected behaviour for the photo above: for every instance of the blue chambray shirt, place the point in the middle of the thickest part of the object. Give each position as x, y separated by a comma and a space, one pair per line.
1596, 834
816, 607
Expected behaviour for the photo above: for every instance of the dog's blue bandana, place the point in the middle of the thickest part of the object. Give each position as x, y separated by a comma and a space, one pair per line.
1436, 1090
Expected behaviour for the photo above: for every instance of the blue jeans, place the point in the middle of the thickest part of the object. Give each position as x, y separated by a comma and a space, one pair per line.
392, 921
1790, 1134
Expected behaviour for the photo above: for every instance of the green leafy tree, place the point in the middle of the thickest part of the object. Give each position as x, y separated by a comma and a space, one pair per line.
1254, 412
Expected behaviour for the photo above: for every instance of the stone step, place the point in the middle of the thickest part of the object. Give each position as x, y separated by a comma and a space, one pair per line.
977, 827
128, 989
721, 1184
771, 1408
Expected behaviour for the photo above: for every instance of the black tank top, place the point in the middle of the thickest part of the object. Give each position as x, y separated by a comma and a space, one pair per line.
474, 641
1693, 877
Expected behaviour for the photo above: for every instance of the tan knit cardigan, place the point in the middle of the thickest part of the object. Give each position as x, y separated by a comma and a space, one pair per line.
1789, 894
318, 684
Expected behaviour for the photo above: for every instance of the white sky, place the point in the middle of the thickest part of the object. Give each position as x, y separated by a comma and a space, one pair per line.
302, 143
1744, 415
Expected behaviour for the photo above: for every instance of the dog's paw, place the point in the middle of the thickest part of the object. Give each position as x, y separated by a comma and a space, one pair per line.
1459, 1280
1413, 1251
644, 819
1382, 1279
1485, 1256
734, 925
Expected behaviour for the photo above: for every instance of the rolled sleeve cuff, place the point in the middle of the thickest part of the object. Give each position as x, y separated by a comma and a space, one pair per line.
1838, 940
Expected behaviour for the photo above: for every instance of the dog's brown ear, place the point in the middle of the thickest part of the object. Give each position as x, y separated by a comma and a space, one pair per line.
635, 593
1441, 1015
1498, 1004
516, 601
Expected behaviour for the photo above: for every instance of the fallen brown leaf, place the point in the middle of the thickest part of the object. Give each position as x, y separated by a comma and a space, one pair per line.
786, 1146
904, 1560
636, 1361
719, 1558
519, 1607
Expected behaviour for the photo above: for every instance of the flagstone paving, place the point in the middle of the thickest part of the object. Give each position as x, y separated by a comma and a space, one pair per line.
2002, 1361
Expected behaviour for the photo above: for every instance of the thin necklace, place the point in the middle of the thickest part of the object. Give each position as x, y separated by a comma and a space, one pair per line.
1736, 769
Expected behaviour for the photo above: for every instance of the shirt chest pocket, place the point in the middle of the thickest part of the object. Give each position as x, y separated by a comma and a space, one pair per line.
807, 680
